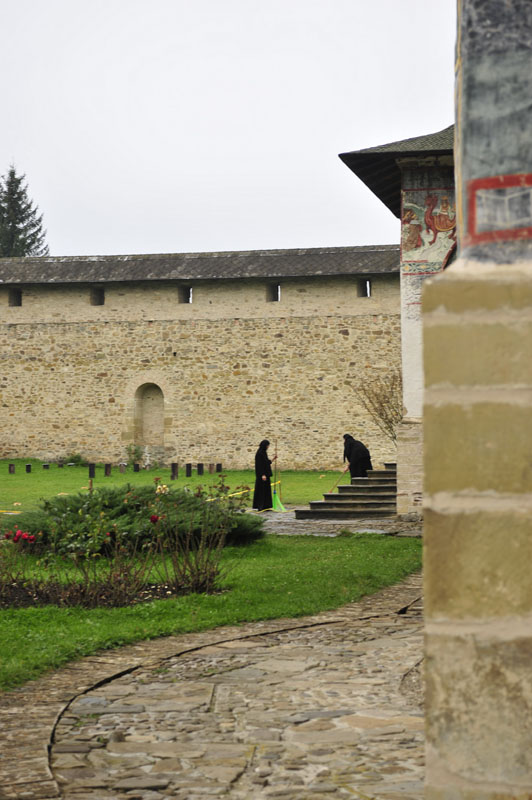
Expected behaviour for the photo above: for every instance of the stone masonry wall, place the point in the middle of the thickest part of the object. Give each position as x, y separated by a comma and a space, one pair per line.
233, 369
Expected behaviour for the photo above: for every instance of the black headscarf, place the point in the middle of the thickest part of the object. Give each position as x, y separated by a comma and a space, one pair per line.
357, 455
262, 462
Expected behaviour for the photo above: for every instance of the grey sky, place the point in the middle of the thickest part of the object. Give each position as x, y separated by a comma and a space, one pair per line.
189, 125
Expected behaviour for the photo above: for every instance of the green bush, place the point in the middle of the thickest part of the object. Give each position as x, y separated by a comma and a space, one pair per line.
88, 523
75, 458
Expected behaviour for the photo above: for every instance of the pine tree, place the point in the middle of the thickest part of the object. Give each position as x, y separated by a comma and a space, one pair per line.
21, 228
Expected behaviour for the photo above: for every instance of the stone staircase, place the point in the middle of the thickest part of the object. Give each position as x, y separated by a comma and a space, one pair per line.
374, 496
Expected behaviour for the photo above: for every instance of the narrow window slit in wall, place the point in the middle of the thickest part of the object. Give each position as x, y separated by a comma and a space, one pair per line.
185, 294
273, 292
97, 296
14, 297
364, 287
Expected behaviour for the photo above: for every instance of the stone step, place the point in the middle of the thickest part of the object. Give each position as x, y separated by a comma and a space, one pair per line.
369, 483
355, 497
390, 465
374, 496
341, 513
378, 488
368, 506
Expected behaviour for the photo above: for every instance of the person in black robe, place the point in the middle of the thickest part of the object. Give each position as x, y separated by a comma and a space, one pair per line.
262, 496
358, 457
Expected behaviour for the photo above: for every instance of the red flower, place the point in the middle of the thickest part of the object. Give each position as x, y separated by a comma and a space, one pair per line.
154, 518
107, 534
7, 535
25, 535
16, 537
31, 538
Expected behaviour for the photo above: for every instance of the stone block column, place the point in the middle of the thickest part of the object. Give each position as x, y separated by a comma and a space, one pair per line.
478, 429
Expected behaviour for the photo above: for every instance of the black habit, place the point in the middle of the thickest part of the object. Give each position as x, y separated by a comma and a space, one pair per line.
358, 457
262, 496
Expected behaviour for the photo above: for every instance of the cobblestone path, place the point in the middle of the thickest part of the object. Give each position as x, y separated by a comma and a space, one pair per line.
327, 706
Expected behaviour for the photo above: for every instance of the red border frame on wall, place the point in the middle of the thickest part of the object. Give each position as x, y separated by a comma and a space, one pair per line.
495, 182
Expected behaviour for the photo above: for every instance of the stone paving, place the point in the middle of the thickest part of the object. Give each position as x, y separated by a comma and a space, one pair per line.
285, 524
327, 706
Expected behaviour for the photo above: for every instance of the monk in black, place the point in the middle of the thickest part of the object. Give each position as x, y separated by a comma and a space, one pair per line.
358, 457
262, 496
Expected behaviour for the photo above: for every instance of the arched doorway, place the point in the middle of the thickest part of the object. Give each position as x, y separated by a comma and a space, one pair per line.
149, 415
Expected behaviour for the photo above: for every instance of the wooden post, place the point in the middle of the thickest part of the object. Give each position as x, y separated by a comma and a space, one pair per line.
136, 467
11, 469
211, 469
107, 470
28, 467
60, 464
188, 470
175, 471
122, 468
200, 469
218, 467
46, 466
92, 471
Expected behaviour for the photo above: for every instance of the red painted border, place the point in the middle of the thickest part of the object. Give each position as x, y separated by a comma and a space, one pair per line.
495, 182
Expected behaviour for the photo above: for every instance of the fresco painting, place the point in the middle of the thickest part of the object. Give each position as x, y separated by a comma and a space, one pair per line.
428, 225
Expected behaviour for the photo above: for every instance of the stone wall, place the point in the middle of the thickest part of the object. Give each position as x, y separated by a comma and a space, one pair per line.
232, 367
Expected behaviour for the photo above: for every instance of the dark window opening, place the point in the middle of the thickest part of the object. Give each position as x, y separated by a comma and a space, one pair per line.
364, 287
97, 296
185, 294
273, 292
15, 297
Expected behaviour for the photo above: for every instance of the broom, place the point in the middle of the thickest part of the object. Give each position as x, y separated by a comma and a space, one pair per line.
339, 479
276, 504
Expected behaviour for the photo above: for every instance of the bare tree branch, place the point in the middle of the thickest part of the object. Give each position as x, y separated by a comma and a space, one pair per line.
382, 397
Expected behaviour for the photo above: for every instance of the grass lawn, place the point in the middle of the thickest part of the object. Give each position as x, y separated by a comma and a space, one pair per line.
22, 491
276, 577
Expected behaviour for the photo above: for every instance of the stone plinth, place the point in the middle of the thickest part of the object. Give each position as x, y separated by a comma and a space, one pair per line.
410, 466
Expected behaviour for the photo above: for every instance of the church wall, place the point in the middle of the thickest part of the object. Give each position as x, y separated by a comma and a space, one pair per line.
428, 237
233, 368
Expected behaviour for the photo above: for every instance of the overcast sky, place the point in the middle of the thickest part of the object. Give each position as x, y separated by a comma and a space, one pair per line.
149, 126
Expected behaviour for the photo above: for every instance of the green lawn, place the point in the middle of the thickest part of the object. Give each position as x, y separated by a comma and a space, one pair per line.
22, 491
275, 577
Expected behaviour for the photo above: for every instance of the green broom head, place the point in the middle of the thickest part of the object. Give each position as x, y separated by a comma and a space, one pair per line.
277, 505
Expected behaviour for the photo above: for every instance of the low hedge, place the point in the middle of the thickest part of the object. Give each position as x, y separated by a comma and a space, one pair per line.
89, 522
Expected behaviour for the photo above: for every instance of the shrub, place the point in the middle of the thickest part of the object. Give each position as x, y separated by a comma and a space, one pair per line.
89, 523
75, 458
134, 452
116, 546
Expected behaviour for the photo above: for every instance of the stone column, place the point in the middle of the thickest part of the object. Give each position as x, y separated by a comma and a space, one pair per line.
428, 238
478, 429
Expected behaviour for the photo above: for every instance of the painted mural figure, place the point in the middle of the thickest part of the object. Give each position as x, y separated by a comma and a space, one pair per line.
428, 228
411, 230
439, 219
358, 457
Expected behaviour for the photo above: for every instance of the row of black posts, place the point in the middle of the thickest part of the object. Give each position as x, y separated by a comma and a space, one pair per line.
136, 468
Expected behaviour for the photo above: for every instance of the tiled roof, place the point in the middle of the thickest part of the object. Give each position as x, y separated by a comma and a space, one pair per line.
202, 266
377, 166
